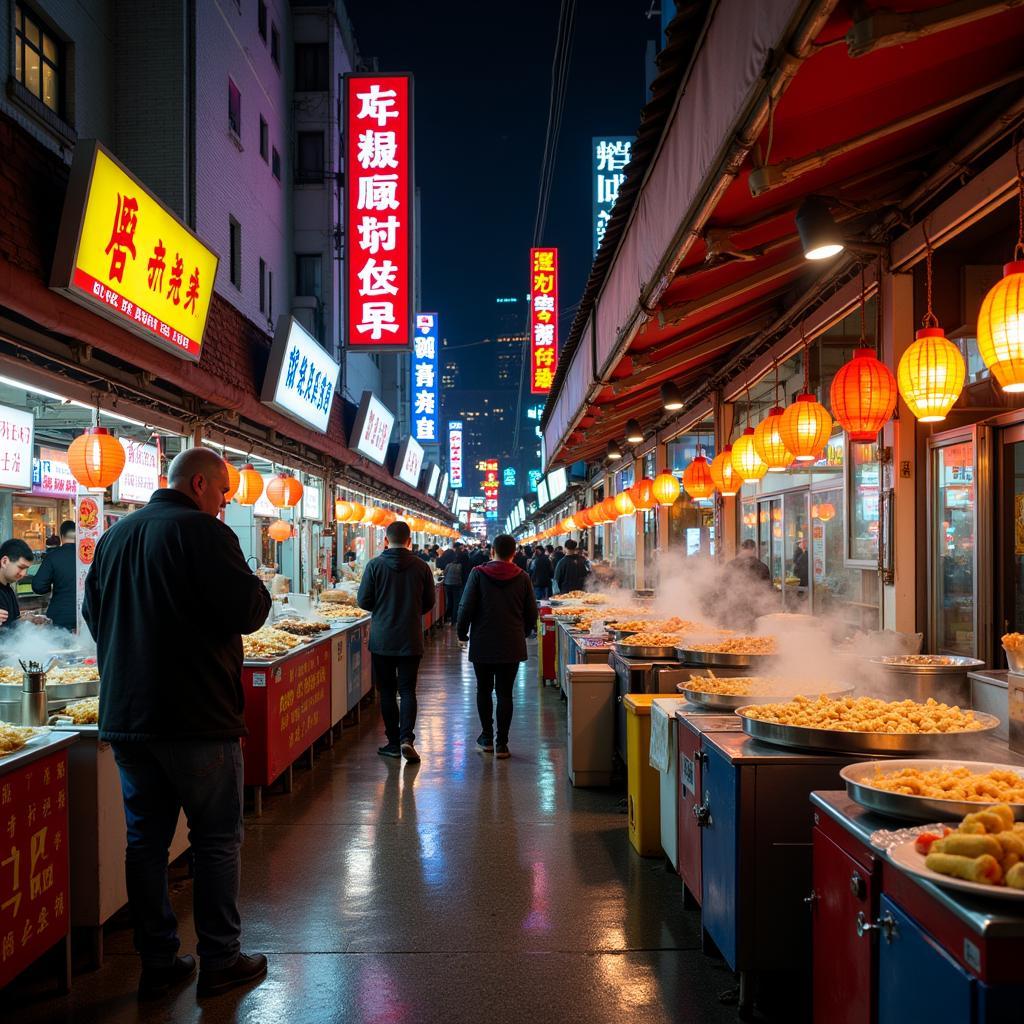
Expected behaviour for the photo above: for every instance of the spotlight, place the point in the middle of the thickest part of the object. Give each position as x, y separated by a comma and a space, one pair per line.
820, 236
634, 435
670, 397
613, 451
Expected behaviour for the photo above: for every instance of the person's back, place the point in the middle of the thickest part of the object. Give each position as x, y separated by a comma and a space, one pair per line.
59, 572
571, 571
541, 571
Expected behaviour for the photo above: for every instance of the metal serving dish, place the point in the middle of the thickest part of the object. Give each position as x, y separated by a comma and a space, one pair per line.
920, 676
800, 737
729, 702
631, 651
920, 808
621, 634
713, 658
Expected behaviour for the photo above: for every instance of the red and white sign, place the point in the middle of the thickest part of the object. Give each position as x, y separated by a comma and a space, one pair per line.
51, 476
543, 319
88, 530
15, 448
141, 474
455, 453
491, 484
378, 210
372, 429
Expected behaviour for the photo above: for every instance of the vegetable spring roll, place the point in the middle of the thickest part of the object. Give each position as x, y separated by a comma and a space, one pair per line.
1015, 877
1012, 842
984, 869
972, 846
989, 819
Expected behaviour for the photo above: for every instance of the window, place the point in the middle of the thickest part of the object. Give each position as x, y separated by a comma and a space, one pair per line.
309, 164
261, 19
264, 140
275, 163
311, 67
275, 45
234, 109
263, 286
270, 296
307, 275
38, 59
235, 230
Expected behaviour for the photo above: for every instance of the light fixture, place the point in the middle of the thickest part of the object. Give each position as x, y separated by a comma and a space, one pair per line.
820, 237
665, 488
96, 458
727, 481
624, 504
671, 400
745, 458
613, 451
824, 512
863, 396
634, 435
279, 530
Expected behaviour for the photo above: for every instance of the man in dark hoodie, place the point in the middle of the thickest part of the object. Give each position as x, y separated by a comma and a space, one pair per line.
497, 613
572, 570
398, 588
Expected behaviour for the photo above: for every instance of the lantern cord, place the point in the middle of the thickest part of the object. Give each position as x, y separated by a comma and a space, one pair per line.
929, 319
1018, 249
863, 310
807, 361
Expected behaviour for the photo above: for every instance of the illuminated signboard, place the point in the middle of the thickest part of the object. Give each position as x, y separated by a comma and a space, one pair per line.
609, 156
378, 209
16, 429
409, 463
423, 368
372, 429
434, 480
491, 486
51, 477
542, 493
543, 319
141, 474
123, 255
557, 483
442, 494
508, 478
301, 376
534, 476
455, 453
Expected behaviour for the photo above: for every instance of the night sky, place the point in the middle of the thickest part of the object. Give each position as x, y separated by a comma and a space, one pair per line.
482, 80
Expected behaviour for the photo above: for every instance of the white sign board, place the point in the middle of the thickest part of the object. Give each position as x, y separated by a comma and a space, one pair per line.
312, 503
435, 479
372, 430
141, 474
15, 448
557, 483
409, 464
442, 494
301, 376
542, 493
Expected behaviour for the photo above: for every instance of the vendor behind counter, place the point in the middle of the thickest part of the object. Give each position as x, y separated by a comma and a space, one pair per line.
57, 574
16, 559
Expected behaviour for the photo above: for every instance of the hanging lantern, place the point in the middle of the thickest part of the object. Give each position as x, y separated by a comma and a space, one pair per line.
608, 509
342, 510
233, 481
624, 504
863, 396
665, 489
357, 512
96, 458
805, 428
584, 519
161, 482
367, 515
745, 460
279, 530
697, 479
768, 442
931, 374
415, 524
642, 493
824, 512
1001, 324
727, 480
250, 485
388, 518
284, 491
568, 524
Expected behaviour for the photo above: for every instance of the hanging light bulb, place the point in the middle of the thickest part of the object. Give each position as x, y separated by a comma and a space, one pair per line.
671, 399
613, 451
727, 480
634, 435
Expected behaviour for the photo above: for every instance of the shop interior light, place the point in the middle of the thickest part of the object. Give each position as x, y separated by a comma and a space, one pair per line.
666, 489
22, 386
727, 481
671, 399
225, 447
250, 485
697, 480
96, 458
613, 451
820, 236
634, 435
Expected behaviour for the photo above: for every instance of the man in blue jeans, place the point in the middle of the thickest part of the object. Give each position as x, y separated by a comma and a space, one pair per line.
170, 654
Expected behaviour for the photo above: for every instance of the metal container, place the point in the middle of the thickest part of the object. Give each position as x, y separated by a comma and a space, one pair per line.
713, 658
920, 676
800, 737
621, 634
635, 651
730, 702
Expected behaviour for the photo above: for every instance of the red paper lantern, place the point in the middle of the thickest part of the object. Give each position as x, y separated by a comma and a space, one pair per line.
697, 480
250, 485
279, 530
96, 458
642, 493
863, 396
284, 491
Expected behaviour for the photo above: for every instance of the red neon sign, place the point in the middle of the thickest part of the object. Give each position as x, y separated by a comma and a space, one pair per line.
378, 210
490, 485
543, 319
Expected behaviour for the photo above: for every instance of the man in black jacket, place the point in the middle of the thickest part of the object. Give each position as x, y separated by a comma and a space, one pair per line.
572, 570
398, 588
541, 573
170, 652
58, 572
481, 556
497, 613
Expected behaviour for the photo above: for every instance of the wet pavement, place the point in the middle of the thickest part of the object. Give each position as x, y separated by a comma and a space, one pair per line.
460, 889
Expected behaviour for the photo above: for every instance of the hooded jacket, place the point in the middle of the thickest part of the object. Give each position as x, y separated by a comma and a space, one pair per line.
398, 588
497, 613
571, 573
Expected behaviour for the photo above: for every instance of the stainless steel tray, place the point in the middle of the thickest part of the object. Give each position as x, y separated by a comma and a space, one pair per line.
712, 658
632, 651
621, 634
11, 693
728, 702
919, 808
801, 737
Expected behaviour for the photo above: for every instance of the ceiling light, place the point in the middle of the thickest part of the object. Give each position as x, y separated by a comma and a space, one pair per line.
634, 435
10, 382
820, 236
670, 397
614, 451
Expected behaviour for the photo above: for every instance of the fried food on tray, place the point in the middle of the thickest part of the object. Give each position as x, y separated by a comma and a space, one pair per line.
13, 737
10, 675
651, 638
987, 848
581, 595
302, 627
737, 645
334, 597
268, 643
1013, 642
755, 686
83, 712
1004, 784
868, 714
340, 611
78, 674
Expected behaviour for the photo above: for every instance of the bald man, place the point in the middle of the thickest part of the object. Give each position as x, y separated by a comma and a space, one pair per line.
167, 598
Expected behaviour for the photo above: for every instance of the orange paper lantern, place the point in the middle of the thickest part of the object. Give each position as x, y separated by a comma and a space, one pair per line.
342, 510
415, 524
642, 494
234, 479
745, 460
1001, 328
284, 491
608, 509
665, 489
768, 442
824, 512
583, 519
250, 485
279, 530
805, 428
96, 458
727, 481
568, 524
357, 512
624, 504
697, 480
161, 482
863, 396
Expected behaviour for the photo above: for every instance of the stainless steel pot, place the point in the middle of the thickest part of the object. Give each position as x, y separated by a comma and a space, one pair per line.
920, 676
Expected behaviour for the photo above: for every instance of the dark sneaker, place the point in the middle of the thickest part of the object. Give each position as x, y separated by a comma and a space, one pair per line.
485, 743
159, 981
501, 751
409, 753
243, 971
390, 750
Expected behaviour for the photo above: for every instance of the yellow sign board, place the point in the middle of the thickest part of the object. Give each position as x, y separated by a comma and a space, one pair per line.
124, 255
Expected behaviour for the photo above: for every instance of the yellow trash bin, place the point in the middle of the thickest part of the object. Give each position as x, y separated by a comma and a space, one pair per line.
644, 783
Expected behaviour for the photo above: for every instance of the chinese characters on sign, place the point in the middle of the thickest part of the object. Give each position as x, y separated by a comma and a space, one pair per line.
51, 477
141, 474
491, 488
301, 376
378, 209
372, 429
509, 476
16, 448
122, 254
543, 319
610, 156
455, 453
534, 475
424, 378
409, 463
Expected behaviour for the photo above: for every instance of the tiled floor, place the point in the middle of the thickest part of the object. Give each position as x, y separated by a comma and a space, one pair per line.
461, 889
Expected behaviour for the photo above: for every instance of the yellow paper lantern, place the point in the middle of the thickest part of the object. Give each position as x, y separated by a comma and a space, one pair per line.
727, 481
568, 524
624, 504
931, 375
1001, 328
665, 488
768, 443
96, 458
805, 428
250, 485
342, 510
745, 460
697, 479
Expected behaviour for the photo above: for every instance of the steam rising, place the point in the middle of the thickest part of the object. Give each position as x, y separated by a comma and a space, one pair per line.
28, 642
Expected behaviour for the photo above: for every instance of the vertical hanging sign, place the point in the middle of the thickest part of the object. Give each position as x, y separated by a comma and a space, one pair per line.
455, 453
378, 210
424, 378
88, 530
543, 319
610, 156
491, 488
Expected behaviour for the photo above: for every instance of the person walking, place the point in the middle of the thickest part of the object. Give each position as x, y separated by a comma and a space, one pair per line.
481, 556
572, 569
497, 612
170, 653
522, 558
58, 573
541, 573
453, 581
398, 588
